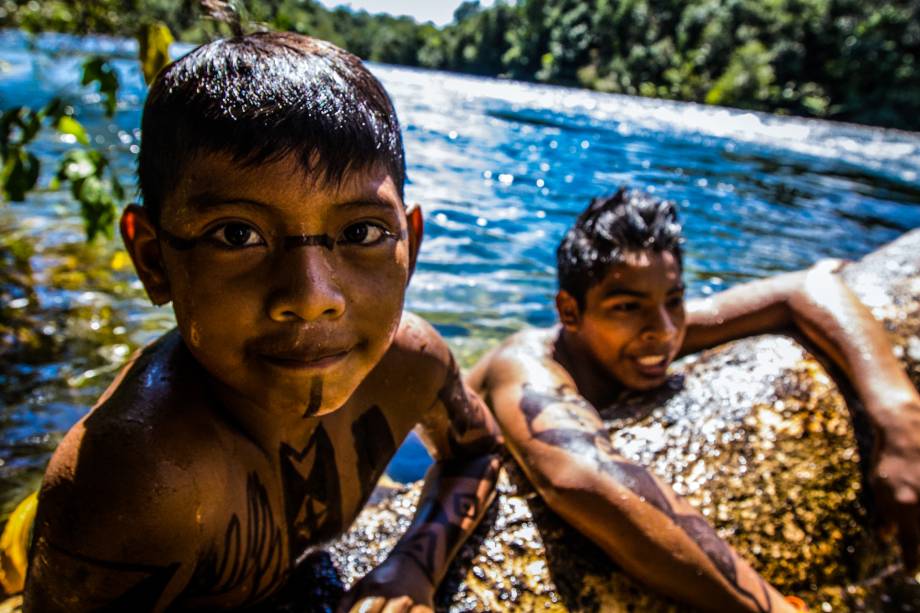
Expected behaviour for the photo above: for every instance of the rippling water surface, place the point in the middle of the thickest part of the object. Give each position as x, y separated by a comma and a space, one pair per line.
501, 170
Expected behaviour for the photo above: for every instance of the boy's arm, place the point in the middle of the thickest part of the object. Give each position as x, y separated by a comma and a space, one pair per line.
462, 436
820, 305
98, 547
558, 438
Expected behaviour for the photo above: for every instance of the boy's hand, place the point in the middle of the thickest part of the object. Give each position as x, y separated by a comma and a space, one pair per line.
896, 479
397, 585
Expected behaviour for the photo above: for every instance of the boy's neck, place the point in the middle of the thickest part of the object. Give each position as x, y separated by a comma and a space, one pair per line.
593, 382
264, 427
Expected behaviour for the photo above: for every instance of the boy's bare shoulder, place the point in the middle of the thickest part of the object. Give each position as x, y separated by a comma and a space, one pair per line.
418, 346
513, 359
135, 463
414, 368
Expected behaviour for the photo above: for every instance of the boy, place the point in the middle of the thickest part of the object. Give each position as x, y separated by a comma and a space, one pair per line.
272, 177
623, 321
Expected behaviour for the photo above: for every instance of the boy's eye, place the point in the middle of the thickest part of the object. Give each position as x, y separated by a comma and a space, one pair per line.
363, 233
236, 234
625, 307
675, 302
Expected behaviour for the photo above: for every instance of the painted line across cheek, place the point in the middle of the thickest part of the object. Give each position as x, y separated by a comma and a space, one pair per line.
316, 397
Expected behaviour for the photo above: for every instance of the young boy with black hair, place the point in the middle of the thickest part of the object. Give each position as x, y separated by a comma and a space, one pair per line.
623, 321
272, 174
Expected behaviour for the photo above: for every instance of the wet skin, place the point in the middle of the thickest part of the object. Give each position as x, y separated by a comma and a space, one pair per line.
260, 426
544, 387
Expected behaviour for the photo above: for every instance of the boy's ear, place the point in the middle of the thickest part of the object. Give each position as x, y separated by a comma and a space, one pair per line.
140, 238
416, 233
567, 307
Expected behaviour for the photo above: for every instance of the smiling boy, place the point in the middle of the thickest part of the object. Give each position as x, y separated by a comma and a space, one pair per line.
272, 174
623, 321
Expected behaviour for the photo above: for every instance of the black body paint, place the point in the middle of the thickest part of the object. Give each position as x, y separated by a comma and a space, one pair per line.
312, 495
253, 555
421, 549
288, 242
447, 523
468, 431
374, 446
144, 594
316, 397
594, 445
309, 240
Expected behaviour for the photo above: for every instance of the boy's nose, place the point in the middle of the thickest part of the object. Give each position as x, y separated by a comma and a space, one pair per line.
660, 325
308, 288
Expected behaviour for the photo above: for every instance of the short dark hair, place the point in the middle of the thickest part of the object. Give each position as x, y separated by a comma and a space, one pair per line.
611, 227
261, 97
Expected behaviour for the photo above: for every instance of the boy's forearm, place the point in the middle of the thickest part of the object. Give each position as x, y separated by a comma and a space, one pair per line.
660, 539
833, 318
455, 496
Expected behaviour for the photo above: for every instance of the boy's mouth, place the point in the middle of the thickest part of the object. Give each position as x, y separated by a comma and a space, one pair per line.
307, 360
652, 364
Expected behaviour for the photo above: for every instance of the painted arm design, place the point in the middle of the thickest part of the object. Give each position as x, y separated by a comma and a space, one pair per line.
460, 485
458, 489
564, 448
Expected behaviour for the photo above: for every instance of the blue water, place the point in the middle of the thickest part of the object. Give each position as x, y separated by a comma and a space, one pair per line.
501, 169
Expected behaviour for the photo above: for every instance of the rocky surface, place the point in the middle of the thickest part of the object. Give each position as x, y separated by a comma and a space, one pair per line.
755, 434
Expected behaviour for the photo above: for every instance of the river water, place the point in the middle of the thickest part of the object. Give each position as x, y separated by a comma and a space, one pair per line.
501, 169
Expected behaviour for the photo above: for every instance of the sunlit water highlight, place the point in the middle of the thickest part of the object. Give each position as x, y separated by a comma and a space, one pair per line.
501, 169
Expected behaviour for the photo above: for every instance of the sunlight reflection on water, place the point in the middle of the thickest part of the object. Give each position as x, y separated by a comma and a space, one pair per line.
501, 169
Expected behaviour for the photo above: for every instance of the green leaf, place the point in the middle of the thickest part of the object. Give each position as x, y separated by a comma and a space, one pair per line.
97, 206
19, 175
9, 119
78, 164
69, 125
154, 40
97, 69
54, 109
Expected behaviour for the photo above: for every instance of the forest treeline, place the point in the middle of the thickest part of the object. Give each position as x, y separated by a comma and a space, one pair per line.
853, 60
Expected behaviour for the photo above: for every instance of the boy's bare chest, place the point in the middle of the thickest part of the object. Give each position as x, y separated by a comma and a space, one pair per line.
310, 494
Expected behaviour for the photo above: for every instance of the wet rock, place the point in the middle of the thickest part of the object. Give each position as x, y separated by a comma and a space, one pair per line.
755, 434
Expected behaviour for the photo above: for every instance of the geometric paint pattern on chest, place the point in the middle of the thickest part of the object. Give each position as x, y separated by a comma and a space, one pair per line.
312, 494
374, 446
310, 477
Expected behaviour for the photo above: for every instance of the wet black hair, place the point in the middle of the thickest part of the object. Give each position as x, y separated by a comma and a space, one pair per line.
609, 229
259, 98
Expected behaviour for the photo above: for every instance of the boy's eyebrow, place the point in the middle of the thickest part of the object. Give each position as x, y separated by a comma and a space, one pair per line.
625, 291
375, 201
622, 291
209, 199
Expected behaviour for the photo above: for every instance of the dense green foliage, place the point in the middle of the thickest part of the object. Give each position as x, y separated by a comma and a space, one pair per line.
88, 171
854, 60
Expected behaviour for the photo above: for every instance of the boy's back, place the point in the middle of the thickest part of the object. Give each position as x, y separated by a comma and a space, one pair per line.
260, 426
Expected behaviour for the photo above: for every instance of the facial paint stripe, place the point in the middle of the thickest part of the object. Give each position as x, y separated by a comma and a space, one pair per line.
289, 242
316, 397
309, 240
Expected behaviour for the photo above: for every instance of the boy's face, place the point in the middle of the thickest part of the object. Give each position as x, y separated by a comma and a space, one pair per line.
287, 291
633, 322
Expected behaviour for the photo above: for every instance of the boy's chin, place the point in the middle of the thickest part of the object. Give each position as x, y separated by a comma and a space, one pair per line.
314, 399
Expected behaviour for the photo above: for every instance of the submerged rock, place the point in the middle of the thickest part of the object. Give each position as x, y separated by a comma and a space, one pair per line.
754, 433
